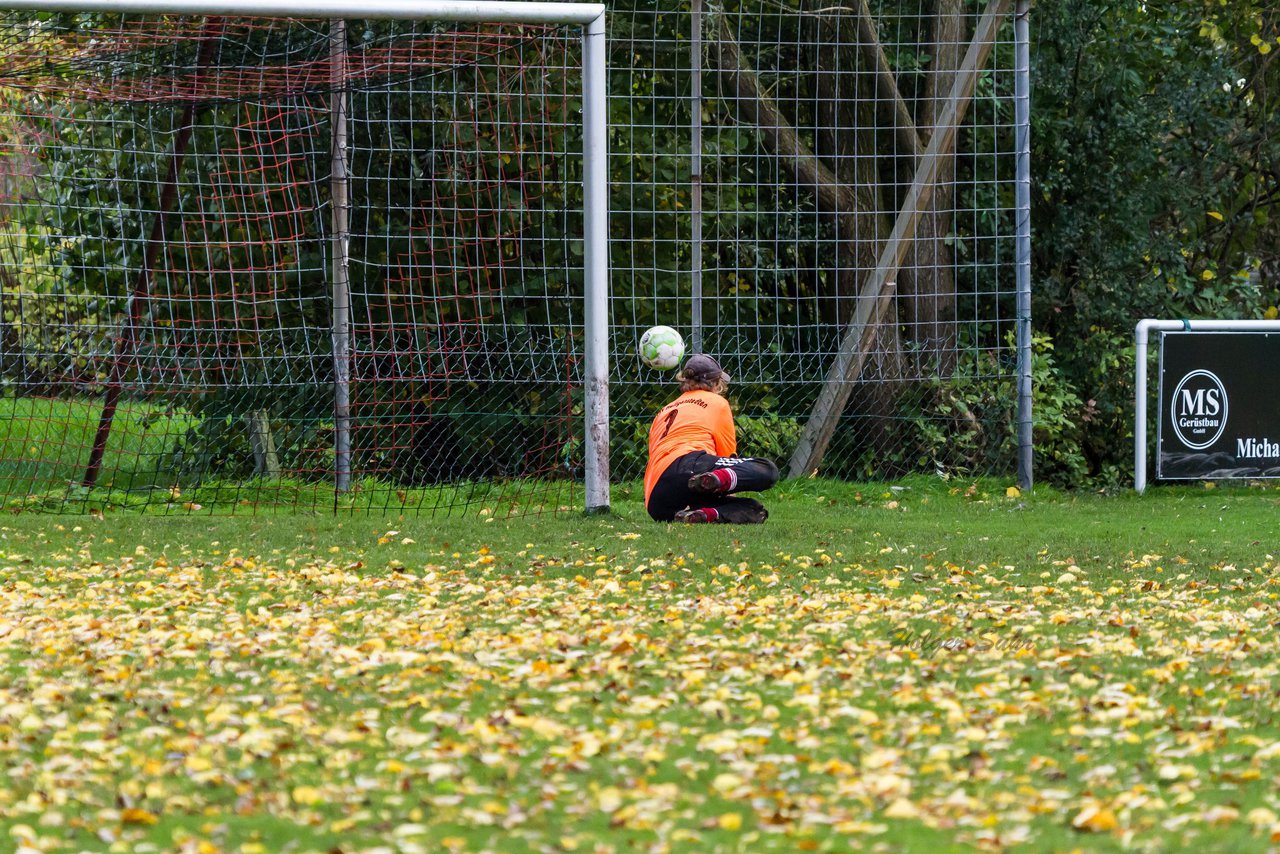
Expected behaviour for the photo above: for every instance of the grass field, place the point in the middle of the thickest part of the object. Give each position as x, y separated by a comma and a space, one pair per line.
45, 443
939, 665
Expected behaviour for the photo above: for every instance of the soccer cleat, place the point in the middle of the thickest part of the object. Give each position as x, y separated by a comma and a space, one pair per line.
697, 516
715, 482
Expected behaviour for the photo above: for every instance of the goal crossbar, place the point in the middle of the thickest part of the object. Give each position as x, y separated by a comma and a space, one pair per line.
487, 11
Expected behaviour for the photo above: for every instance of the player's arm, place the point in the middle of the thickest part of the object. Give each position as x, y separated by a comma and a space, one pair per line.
722, 430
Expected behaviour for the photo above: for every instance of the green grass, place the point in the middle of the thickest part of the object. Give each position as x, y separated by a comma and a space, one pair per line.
936, 664
45, 444
256, 497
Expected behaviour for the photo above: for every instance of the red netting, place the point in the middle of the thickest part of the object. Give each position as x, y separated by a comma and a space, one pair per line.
431, 327
143, 60
171, 186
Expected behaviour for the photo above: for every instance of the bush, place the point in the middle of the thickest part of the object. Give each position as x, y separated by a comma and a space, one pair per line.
967, 424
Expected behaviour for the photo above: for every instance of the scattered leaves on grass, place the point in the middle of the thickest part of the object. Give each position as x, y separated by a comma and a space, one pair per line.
152, 703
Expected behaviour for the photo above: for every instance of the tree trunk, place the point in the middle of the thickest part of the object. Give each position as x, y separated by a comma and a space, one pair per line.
918, 291
845, 112
266, 461
859, 341
926, 283
840, 110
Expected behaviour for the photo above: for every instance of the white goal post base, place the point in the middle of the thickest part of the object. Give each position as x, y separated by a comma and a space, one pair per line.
1142, 336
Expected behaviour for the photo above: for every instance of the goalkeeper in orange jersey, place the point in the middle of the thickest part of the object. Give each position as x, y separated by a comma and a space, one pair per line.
693, 475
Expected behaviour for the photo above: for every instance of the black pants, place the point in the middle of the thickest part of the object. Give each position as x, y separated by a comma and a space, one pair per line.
671, 493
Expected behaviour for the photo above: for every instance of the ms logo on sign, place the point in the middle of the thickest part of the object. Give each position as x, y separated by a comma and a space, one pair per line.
1199, 409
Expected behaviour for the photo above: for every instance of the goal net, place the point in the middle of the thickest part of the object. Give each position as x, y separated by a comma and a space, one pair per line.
256, 262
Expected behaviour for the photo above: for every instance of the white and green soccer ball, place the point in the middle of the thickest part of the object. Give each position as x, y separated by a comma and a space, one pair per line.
661, 347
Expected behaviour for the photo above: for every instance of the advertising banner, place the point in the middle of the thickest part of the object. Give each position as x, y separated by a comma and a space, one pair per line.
1219, 406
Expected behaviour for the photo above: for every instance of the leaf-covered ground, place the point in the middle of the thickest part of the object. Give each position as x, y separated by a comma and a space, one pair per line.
601, 685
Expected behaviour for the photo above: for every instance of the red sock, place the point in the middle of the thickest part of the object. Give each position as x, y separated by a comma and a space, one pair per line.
728, 480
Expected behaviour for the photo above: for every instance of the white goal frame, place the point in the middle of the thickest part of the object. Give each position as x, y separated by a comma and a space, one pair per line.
589, 16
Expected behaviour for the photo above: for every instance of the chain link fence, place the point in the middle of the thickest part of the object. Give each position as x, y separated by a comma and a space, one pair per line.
766, 154
166, 251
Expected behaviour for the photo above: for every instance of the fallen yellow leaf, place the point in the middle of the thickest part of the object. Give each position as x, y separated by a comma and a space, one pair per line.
307, 795
1096, 819
138, 816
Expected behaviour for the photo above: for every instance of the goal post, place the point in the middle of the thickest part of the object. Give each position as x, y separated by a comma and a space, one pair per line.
471, 219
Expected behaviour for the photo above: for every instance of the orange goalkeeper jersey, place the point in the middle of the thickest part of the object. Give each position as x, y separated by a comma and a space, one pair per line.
694, 421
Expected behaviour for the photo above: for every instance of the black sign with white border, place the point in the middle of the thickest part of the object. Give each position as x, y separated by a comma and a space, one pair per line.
1219, 406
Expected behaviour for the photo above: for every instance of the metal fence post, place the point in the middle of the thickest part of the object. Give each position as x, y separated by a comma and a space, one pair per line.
1022, 251
340, 198
695, 178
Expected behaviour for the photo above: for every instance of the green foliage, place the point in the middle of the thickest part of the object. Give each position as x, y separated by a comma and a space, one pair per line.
47, 336
771, 436
967, 424
470, 433
1155, 190
1057, 413
218, 445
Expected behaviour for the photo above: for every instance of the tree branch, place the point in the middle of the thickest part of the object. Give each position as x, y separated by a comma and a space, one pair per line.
888, 95
758, 108
878, 290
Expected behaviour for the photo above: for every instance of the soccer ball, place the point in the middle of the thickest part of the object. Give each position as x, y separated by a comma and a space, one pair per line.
662, 348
